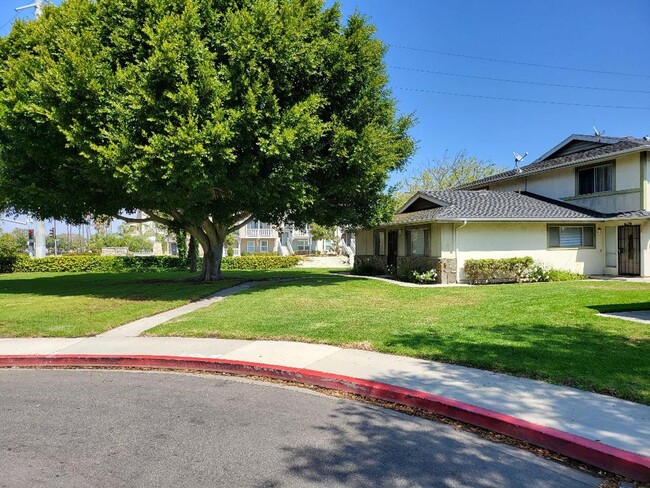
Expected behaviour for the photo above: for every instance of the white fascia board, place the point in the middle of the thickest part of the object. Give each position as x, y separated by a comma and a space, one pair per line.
577, 137
440, 203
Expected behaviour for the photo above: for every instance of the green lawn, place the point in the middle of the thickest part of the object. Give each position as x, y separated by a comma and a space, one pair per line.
83, 304
548, 331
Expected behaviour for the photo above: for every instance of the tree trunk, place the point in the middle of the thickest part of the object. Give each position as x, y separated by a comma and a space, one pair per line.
191, 254
212, 261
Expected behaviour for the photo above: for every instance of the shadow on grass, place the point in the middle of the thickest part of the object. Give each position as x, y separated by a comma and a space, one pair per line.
621, 307
582, 357
155, 286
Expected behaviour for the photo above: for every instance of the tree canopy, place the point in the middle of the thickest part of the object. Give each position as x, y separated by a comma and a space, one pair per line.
202, 113
446, 173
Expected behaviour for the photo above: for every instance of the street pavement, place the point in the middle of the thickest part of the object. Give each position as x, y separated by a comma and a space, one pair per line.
74, 428
601, 418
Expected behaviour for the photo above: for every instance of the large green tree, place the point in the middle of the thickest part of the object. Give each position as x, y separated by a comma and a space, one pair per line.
445, 173
204, 114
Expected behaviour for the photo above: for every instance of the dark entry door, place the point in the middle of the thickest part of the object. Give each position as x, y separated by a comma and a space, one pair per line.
629, 250
392, 249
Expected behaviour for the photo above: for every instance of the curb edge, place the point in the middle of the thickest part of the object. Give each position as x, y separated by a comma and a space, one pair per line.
615, 460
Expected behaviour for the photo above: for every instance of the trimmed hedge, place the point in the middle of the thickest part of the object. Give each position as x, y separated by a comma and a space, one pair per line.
115, 264
7, 263
260, 261
85, 264
508, 270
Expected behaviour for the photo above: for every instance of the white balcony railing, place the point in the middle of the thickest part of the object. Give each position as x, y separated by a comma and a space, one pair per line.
259, 232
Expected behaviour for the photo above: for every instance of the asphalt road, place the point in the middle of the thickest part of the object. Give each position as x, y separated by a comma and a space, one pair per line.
110, 428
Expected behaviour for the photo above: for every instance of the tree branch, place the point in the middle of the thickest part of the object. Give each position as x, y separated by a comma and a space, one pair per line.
240, 224
159, 219
131, 220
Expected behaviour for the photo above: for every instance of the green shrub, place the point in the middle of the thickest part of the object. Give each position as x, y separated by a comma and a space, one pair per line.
366, 268
260, 261
84, 264
140, 264
561, 275
423, 277
7, 263
508, 270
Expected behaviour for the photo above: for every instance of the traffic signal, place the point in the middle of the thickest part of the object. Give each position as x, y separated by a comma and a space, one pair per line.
53, 232
30, 234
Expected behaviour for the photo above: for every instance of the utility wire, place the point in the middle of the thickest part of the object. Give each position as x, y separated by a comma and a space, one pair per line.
9, 21
520, 81
548, 102
522, 63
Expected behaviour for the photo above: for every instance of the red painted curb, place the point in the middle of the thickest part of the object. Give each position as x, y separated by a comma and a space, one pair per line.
602, 456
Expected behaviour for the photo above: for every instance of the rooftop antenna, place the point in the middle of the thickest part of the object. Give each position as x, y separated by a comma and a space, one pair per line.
518, 159
598, 133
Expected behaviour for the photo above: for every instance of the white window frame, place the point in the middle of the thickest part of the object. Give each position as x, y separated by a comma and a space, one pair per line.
302, 245
264, 246
248, 247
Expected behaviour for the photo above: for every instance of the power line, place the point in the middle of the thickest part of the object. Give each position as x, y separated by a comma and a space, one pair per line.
557, 85
548, 102
9, 21
522, 63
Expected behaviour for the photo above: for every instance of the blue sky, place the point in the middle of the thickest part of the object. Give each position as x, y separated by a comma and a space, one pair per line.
593, 35
587, 36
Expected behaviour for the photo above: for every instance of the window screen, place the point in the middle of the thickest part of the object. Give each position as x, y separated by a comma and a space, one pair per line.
595, 180
571, 236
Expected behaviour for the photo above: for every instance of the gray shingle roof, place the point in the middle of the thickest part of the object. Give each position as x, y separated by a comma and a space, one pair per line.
636, 214
623, 145
495, 205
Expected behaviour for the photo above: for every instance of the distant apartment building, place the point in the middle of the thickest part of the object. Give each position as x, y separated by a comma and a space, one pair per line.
287, 239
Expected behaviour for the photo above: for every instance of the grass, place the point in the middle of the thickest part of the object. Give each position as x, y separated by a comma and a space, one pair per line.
85, 304
547, 331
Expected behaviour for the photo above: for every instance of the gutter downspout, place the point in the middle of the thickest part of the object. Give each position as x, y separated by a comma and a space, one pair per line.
456, 249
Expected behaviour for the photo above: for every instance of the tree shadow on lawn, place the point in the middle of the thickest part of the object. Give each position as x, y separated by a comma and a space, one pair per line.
369, 447
148, 286
582, 357
620, 307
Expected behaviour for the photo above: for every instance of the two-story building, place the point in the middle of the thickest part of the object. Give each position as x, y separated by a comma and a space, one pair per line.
584, 206
287, 239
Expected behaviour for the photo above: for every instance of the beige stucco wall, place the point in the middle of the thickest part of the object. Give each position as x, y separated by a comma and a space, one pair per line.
646, 181
364, 242
561, 184
645, 249
628, 172
557, 184
517, 184
506, 240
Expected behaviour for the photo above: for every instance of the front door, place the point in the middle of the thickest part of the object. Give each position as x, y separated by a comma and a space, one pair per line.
392, 250
629, 250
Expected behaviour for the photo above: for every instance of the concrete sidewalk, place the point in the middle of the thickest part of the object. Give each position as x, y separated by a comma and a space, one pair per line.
607, 420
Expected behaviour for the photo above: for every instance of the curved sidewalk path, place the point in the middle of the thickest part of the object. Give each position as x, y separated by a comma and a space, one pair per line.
505, 402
